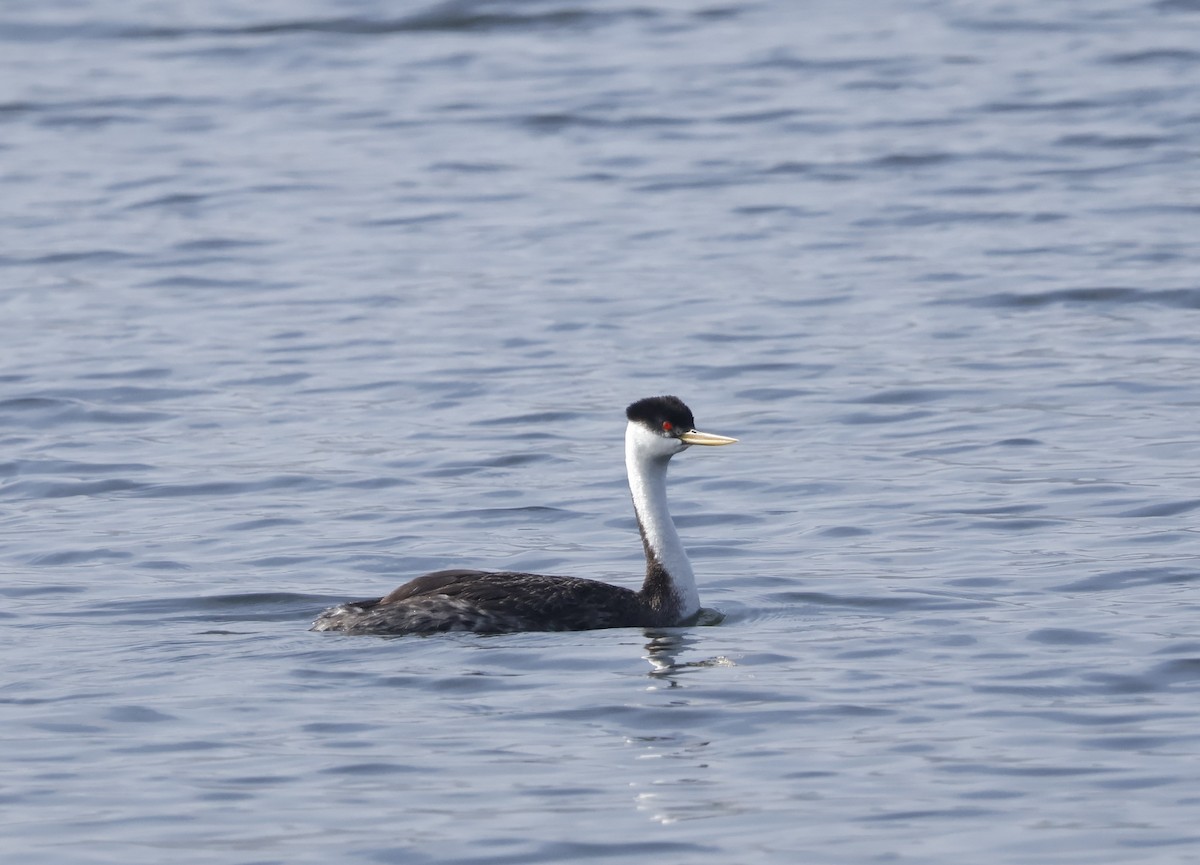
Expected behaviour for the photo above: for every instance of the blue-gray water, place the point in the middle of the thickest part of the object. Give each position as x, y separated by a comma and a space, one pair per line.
300, 299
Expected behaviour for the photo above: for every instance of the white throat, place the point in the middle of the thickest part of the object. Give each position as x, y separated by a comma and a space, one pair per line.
646, 458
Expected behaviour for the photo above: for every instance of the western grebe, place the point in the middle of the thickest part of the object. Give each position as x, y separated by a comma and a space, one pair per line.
491, 602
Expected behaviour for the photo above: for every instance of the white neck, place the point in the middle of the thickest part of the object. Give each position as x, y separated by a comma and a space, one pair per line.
648, 482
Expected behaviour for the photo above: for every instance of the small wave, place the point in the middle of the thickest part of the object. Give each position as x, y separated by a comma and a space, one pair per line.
1179, 298
781, 59
209, 283
238, 607
1178, 5
451, 17
1167, 509
1056, 107
178, 199
90, 256
1132, 578
920, 218
229, 488
908, 396
39, 591
534, 419
1112, 142
45, 412
77, 557
518, 514
44, 489
416, 220
863, 418
1157, 55
912, 160
1010, 24
893, 602
1067, 637
21, 468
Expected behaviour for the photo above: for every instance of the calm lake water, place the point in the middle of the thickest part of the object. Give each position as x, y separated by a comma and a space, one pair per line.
301, 299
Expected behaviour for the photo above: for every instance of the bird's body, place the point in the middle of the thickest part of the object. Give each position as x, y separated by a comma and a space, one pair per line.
506, 601
492, 602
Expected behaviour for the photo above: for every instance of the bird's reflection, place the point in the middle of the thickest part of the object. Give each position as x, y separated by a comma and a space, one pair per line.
663, 651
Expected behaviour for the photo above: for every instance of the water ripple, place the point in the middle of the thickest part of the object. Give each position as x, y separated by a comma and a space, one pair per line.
1184, 298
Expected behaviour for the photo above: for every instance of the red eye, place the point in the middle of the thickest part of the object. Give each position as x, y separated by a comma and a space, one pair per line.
668, 426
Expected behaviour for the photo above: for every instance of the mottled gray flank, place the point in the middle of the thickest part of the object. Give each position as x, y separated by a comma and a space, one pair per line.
460, 600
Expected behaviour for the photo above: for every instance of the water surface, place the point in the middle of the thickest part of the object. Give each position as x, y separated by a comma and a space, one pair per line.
303, 299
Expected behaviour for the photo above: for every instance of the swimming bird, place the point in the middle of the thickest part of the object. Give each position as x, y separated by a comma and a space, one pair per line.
491, 602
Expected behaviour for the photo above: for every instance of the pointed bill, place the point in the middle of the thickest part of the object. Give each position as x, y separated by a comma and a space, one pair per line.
695, 437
